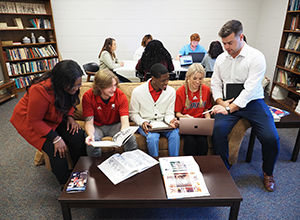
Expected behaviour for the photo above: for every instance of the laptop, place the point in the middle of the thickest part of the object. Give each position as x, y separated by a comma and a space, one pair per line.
233, 90
196, 126
186, 61
197, 57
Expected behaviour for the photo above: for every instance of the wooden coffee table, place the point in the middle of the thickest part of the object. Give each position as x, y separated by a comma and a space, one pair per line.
146, 190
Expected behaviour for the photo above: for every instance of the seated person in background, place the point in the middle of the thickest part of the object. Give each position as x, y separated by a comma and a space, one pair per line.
139, 52
154, 101
208, 62
105, 108
193, 47
44, 116
192, 99
107, 56
155, 52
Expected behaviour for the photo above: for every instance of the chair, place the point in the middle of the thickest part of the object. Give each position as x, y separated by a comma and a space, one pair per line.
90, 69
172, 76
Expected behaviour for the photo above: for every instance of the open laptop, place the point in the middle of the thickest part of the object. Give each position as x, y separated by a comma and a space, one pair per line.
197, 57
186, 61
196, 126
233, 90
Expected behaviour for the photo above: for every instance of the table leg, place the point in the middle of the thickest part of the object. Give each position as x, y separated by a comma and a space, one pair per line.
296, 148
234, 211
66, 211
250, 146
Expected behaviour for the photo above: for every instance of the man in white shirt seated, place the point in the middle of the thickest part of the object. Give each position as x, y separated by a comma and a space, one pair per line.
241, 63
154, 101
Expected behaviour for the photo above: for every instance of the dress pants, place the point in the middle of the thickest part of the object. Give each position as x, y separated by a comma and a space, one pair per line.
262, 122
76, 146
152, 139
109, 130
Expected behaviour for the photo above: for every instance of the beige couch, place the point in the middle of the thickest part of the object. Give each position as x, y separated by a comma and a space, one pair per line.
235, 138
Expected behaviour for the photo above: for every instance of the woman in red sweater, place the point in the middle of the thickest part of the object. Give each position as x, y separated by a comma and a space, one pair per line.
44, 116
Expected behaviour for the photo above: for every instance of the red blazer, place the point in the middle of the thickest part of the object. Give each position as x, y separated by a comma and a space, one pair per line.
35, 115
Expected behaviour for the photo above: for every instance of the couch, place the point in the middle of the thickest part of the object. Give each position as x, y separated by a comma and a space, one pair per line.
235, 137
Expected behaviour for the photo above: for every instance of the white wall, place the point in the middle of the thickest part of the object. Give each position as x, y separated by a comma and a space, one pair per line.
82, 26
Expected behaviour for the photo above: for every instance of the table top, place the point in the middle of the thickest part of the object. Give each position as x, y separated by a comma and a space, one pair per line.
147, 187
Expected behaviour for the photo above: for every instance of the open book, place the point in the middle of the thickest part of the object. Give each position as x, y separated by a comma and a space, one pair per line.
119, 138
182, 177
158, 126
120, 167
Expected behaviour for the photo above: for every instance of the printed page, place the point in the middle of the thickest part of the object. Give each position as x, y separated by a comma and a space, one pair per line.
117, 169
139, 159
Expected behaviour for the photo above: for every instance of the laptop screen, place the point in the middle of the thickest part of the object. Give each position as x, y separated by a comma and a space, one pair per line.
197, 57
186, 60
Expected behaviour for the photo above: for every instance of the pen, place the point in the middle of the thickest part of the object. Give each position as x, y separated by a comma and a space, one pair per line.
206, 112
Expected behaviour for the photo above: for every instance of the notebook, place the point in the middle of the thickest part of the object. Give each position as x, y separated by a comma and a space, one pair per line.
197, 57
233, 90
196, 126
186, 61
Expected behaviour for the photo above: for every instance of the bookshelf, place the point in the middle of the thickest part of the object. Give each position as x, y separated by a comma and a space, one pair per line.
285, 87
22, 58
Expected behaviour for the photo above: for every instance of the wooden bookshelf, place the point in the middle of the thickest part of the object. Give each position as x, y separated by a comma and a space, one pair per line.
288, 61
20, 18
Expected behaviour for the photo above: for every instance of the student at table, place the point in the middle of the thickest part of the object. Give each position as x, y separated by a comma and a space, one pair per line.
44, 116
208, 62
155, 52
107, 55
192, 99
139, 52
192, 47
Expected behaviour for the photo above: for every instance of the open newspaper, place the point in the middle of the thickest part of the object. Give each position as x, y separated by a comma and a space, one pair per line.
120, 167
119, 138
182, 177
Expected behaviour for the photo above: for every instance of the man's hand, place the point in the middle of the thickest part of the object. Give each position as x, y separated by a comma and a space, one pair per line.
72, 125
217, 109
145, 126
89, 139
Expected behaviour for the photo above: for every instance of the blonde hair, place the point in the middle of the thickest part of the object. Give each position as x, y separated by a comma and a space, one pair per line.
192, 70
103, 79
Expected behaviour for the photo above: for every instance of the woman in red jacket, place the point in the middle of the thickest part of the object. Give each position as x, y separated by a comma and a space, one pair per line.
44, 116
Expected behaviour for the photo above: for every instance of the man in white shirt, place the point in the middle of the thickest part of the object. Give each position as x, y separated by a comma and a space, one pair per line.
241, 63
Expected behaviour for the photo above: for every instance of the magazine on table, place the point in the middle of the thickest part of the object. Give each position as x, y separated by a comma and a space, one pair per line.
182, 177
277, 113
119, 138
77, 182
120, 167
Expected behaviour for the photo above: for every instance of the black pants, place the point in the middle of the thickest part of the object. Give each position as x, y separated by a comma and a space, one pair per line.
195, 145
76, 146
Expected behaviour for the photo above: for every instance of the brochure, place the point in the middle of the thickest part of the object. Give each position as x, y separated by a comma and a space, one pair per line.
78, 181
277, 113
182, 177
120, 167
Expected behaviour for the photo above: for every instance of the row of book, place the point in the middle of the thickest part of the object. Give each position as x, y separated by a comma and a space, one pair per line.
287, 79
292, 61
295, 23
292, 42
294, 5
30, 52
30, 67
22, 82
22, 7
40, 23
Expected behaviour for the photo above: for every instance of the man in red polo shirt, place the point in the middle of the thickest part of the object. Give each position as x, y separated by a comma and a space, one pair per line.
105, 109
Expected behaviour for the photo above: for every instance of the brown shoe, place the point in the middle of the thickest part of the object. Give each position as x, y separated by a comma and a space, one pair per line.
269, 182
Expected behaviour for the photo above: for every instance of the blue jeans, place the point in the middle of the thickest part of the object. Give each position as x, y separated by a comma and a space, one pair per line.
152, 139
262, 122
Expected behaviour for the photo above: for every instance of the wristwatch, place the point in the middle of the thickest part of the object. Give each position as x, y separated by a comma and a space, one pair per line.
227, 109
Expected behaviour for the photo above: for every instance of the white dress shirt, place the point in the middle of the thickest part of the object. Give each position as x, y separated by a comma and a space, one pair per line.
247, 67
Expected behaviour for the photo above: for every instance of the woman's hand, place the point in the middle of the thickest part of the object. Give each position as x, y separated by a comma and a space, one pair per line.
72, 125
59, 146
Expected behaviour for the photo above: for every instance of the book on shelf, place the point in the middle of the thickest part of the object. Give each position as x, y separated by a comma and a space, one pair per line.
18, 22
277, 113
279, 93
77, 182
119, 138
120, 167
182, 177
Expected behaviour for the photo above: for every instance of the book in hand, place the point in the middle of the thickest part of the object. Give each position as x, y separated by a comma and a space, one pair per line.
120, 167
277, 113
119, 138
182, 177
78, 181
158, 126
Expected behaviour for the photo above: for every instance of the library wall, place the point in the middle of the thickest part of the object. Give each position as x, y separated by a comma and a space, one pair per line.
82, 26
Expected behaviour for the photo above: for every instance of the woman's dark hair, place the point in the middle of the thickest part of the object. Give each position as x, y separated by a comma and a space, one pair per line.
107, 46
155, 52
215, 49
63, 77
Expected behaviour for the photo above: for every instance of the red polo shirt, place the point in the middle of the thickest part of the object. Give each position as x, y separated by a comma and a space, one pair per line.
104, 114
155, 95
